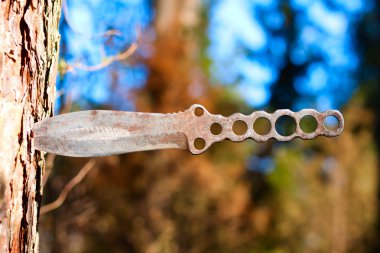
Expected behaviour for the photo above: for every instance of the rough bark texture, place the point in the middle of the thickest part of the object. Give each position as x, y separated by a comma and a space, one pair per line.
29, 43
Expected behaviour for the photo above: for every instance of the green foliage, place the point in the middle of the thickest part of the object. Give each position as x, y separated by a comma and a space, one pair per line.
281, 179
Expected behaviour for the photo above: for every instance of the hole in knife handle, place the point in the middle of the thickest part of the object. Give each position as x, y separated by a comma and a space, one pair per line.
308, 124
216, 129
239, 127
285, 125
198, 111
331, 123
199, 144
262, 126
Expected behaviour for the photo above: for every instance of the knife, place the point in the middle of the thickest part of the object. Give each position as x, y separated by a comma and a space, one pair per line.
103, 132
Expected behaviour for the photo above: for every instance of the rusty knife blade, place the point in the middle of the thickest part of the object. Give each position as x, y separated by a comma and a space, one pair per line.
102, 133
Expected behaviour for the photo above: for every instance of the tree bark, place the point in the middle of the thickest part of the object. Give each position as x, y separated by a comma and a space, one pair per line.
29, 43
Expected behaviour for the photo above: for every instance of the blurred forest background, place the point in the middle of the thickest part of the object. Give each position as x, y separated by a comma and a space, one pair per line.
230, 56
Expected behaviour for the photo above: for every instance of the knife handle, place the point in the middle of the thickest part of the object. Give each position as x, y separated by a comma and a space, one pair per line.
197, 123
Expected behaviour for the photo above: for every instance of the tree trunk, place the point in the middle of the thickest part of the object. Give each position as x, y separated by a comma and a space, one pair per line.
175, 62
29, 43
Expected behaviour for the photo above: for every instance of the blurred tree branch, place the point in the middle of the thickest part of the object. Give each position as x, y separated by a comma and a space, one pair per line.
48, 167
69, 186
108, 60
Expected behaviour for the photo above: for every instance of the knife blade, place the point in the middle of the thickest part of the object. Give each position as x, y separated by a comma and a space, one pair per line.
102, 132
